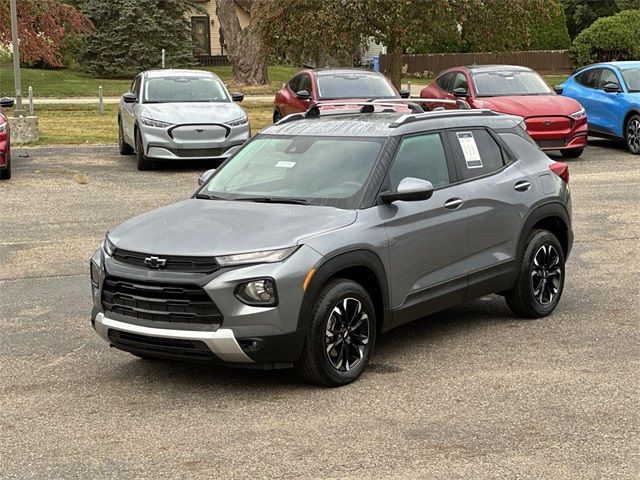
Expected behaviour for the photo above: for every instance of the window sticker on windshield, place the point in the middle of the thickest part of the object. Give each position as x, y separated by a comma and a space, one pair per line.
469, 149
283, 164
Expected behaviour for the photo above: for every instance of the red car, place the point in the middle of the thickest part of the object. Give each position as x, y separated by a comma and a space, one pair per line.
5, 154
553, 121
332, 85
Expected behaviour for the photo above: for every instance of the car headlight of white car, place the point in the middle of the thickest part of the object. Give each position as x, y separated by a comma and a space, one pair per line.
155, 123
237, 122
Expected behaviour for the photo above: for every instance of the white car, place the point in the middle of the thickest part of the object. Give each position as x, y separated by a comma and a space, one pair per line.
180, 115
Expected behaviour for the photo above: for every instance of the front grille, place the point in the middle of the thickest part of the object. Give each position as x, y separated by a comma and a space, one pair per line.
197, 152
548, 124
551, 143
142, 344
175, 303
173, 262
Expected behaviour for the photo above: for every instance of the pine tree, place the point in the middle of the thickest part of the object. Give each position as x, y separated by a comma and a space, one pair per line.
130, 35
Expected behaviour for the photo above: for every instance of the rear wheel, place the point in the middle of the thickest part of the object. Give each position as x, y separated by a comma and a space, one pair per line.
632, 134
143, 163
572, 152
125, 148
5, 173
540, 280
340, 335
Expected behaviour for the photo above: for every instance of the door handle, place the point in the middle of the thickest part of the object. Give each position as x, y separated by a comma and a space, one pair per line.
522, 186
453, 203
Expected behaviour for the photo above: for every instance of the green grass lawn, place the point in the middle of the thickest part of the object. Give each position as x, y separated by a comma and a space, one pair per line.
83, 124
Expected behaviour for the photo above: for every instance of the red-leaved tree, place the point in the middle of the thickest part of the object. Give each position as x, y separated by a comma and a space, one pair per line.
42, 25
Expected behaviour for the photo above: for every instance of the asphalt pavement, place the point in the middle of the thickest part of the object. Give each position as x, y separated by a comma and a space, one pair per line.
472, 392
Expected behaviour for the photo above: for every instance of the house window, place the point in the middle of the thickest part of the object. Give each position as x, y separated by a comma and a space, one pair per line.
201, 38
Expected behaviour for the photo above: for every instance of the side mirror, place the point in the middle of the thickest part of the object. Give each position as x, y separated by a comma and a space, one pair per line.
204, 177
460, 92
303, 95
237, 96
6, 102
409, 190
559, 89
129, 97
612, 87
405, 93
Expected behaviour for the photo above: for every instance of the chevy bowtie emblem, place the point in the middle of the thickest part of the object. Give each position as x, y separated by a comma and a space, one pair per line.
155, 262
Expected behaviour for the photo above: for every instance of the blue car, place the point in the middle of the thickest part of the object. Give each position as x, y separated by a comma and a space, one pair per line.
610, 93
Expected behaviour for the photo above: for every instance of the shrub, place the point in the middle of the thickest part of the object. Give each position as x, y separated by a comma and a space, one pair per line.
551, 33
608, 39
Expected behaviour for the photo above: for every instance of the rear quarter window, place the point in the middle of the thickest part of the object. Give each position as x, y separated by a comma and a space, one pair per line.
522, 147
477, 153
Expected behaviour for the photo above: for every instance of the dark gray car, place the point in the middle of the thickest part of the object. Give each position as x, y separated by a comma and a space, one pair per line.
325, 231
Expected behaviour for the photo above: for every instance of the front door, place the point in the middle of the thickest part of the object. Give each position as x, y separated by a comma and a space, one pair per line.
427, 239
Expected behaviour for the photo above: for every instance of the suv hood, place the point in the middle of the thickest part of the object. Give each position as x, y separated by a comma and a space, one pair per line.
196, 112
530, 105
197, 227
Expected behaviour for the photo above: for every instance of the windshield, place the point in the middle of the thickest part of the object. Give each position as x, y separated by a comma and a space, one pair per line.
496, 84
632, 79
315, 170
354, 85
184, 89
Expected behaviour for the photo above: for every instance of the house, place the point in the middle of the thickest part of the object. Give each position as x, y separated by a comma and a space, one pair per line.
208, 38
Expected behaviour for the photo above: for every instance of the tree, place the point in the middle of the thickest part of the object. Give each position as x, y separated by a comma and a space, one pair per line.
42, 25
582, 13
551, 33
130, 35
246, 51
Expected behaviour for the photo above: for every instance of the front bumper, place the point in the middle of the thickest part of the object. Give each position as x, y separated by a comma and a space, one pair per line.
572, 134
207, 141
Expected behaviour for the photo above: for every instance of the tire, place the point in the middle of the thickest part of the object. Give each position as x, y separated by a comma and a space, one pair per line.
143, 163
277, 116
572, 152
540, 280
5, 173
125, 148
632, 134
338, 365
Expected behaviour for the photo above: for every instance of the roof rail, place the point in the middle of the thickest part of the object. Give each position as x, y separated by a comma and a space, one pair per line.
415, 117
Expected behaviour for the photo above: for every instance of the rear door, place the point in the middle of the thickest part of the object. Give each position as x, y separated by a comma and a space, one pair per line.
498, 197
586, 94
427, 239
605, 105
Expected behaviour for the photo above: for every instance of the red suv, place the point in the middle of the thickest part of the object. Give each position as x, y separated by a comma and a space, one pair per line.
331, 85
553, 121
5, 154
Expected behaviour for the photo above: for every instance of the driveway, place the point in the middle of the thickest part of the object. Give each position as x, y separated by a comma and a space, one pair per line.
468, 393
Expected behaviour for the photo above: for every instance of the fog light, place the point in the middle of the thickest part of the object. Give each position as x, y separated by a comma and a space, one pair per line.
260, 292
95, 273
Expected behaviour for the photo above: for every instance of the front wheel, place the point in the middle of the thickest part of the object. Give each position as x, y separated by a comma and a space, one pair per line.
143, 163
123, 146
632, 134
340, 335
5, 173
572, 152
540, 280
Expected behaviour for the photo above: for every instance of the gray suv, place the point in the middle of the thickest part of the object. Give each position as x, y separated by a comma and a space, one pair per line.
326, 230
180, 115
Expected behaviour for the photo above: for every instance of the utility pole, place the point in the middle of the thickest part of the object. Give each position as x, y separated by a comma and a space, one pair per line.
18, 111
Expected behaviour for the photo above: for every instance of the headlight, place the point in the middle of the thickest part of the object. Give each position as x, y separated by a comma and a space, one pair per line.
260, 292
582, 113
95, 273
266, 256
155, 123
238, 121
108, 246
3, 127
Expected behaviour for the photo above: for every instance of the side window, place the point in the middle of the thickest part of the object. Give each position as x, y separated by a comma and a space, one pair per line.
444, 81
607, 76
135, 86
522, 147
589, 78
420, 156
294, 83
477, 153
460, 81
305, 83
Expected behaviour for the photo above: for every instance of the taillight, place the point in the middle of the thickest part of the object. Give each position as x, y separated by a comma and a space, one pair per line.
560, 169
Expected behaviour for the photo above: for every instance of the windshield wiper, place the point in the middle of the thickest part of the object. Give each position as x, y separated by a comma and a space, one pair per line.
295, 201
208, 197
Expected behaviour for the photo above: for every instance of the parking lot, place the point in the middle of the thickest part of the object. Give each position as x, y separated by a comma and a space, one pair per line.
472, 392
